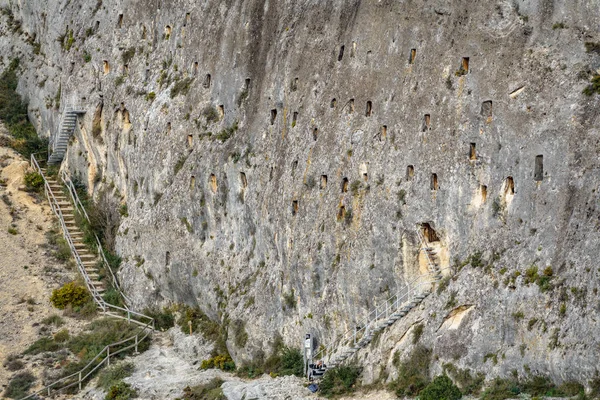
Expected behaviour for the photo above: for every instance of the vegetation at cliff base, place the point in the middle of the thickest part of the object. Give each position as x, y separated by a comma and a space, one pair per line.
13, 112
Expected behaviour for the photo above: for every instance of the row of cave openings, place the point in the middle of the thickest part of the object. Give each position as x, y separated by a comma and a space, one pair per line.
412, 57
486, 113
508, 187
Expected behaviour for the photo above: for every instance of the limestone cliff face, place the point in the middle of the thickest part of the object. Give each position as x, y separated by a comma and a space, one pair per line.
277, 156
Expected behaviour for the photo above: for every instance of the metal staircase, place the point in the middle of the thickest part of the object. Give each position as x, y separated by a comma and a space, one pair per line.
382, 316
68, 123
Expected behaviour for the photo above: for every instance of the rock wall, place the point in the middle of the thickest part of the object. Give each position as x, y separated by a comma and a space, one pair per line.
276, 158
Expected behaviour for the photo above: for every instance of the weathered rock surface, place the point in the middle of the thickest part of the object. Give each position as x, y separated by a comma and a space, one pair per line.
228, 129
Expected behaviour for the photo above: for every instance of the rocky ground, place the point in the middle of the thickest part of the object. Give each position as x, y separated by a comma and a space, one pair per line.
172, 363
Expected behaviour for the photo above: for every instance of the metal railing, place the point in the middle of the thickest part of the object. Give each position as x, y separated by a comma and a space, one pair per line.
145, 322
378, 318
378, 315
79, 206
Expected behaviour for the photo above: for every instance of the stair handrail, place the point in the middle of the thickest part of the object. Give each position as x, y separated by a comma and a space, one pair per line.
146, 327
397, 301
79, 205
58, 212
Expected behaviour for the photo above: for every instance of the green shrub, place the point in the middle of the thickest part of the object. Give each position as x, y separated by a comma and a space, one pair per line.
222, 362
13, 362
120, 391
19, 385
69, 294
62, 251
54, 319
413, 374
150, 96
227, 133
209, 391
593, 87
42, 345
468, 383
34, 182
501, 389
340, 380
211, 114
112, 296
441, 388
163, 320
112, 375
128, 55
181, 87
240, 336
61, 336
417, 333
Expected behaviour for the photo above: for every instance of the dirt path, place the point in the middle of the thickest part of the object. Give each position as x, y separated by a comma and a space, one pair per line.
28, 272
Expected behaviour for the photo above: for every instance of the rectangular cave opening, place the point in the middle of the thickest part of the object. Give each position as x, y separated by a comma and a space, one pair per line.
168, 128
351, 106
341, 53
383, 132
369, 108
294, 85
412, 56
345, 185
294, 118
509, 186
243, 180
323, 181
168, 31
472, 152
207, 80
120, 21
213, 183
273, 116
192, 182
221, 111
429, 233
341, 212
486, 109
483, 191
187, 20
410, 172
195, 69
333, 103
294, 207
365, 176
426, 125
434, 184
538, 174
190, 140
247, 84
106, 67
353, 50
315, 133
168, 258
465, 65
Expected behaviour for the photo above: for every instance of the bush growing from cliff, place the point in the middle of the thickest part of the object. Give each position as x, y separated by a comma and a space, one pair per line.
469, 384
163, 320
413, 374
340, 380
441, 388
593, 87
69, 294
